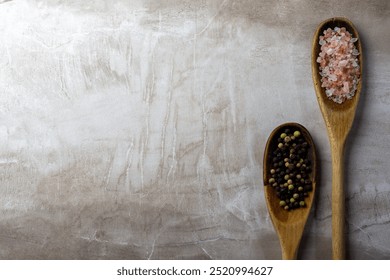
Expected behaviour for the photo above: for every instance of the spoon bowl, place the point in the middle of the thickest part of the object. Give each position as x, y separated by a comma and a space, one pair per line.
345, 110
338, 120
289, 225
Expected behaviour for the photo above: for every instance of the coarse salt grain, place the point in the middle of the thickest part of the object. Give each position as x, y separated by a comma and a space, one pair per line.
338, 64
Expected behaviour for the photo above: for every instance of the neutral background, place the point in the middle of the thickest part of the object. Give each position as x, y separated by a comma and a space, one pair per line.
136, 129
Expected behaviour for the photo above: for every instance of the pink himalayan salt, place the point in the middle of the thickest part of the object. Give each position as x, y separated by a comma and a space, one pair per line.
338, 64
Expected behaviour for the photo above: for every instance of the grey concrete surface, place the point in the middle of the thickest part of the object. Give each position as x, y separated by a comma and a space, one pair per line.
136, 129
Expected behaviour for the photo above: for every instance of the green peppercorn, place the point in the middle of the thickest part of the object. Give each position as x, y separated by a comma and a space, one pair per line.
290, 187
297, 133
292, 200
280, 145
286, 177
283, 135
300, 188
295, 195
286, 207
272, 180
272, 171
289, 181
282, 203
302, 203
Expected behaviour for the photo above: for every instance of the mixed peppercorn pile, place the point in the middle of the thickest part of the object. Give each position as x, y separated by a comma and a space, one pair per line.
290, 169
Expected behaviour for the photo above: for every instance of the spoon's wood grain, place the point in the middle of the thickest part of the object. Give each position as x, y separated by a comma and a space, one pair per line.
338, 120
289, 225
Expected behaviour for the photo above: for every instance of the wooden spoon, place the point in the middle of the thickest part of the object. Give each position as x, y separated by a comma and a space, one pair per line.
289, 225
338, 119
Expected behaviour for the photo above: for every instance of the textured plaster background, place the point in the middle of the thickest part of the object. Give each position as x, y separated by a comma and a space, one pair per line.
136, 129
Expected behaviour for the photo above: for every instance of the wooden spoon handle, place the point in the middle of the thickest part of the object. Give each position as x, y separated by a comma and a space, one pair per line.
338, 203
289, 254
290, 243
